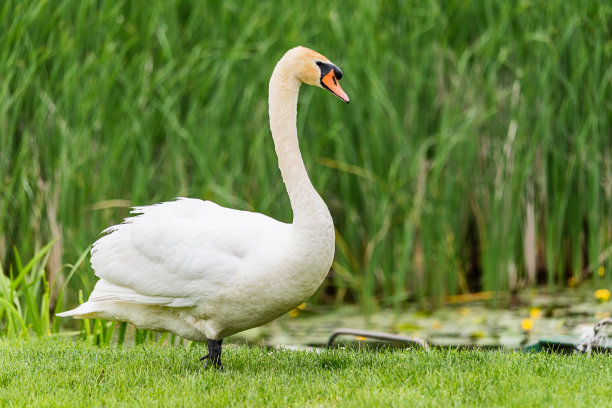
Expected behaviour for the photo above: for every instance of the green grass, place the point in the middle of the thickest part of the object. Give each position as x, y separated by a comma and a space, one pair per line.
55, 372
475, 153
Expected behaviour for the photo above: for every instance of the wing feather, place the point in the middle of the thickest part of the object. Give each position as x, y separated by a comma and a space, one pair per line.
178, 251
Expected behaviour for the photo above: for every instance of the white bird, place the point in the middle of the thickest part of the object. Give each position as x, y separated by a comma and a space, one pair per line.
204, 271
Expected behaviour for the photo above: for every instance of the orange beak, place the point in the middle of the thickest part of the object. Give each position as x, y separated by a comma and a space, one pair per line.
330, 82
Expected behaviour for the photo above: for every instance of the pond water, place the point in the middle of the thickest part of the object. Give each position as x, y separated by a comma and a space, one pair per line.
459, 324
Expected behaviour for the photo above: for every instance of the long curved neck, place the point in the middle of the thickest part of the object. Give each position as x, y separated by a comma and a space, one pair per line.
309, 210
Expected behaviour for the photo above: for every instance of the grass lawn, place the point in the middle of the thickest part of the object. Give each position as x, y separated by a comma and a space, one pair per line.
60, 372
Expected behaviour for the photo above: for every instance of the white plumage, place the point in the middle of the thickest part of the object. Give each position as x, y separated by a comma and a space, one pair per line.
204, 271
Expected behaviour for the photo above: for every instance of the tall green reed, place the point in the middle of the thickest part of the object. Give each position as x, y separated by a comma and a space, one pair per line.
475, 153
25, 296
26, 308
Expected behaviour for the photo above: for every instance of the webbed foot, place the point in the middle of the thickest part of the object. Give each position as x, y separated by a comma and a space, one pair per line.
214, 354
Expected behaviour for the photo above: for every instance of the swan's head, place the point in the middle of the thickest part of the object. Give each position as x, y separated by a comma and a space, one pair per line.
313, 68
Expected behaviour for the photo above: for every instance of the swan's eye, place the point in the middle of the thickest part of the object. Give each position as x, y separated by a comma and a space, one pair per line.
322, 69
326, 67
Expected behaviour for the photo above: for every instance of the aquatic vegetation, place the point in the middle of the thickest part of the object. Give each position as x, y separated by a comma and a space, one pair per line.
478, 152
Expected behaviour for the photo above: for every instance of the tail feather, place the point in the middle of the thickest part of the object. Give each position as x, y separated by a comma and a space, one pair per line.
106, 297
84, 311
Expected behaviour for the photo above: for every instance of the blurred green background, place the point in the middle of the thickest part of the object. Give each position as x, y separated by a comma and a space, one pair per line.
475, 155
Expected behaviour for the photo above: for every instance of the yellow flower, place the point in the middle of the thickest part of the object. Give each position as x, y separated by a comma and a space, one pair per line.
436, 325
603, 295
301, 306
294, 313
464, 311
571, 282
601, 271
535, 312
526, 324
360, 338
602, 315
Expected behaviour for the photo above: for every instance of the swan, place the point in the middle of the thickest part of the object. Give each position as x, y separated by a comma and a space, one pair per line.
205, 272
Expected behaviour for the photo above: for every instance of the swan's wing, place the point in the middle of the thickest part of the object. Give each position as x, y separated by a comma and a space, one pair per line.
176, 252
106, 291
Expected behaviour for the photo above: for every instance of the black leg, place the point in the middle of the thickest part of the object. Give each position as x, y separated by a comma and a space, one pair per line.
214, 354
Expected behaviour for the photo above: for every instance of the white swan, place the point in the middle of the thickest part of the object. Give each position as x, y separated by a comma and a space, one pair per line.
204, 271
